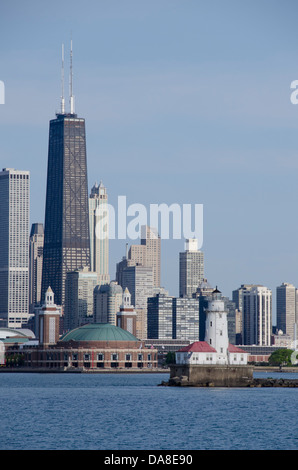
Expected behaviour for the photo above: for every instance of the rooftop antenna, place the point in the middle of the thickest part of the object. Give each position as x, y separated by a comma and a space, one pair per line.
62, 83
71, 98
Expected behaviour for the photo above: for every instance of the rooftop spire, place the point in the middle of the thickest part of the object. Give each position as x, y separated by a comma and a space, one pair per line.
71, 97
62, 83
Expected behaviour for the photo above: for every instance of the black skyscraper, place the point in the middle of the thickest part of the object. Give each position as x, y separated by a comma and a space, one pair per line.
66, 231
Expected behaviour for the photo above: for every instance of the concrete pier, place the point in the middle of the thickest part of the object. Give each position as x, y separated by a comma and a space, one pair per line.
215, 375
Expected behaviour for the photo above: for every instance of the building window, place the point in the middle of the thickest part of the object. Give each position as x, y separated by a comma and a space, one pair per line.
86, 357
100, 356
114, 357
128, 357
140, 357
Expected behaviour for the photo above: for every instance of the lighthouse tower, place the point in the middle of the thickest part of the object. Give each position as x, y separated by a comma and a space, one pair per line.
216, 332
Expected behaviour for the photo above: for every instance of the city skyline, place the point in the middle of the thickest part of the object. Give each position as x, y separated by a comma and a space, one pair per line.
162, 99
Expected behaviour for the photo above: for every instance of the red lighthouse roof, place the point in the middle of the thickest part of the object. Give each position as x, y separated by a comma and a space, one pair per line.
198, 346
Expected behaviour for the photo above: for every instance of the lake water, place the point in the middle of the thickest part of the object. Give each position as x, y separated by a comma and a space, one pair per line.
130, 412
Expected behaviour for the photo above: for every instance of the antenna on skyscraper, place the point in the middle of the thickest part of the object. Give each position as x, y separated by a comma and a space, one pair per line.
62, 83
71, 98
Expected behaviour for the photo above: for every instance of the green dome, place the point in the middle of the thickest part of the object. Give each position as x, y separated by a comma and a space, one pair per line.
98, 332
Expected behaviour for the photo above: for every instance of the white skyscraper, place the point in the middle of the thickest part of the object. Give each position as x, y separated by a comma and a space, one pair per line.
191, 268
257, 315
14, 243
99, 233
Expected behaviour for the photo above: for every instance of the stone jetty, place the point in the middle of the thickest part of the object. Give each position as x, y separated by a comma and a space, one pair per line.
182, 381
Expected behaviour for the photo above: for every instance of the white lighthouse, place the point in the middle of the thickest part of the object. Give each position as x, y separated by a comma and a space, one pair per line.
216, 348
216, 330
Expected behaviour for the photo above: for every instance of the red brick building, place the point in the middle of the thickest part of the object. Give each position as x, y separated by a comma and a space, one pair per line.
95, 346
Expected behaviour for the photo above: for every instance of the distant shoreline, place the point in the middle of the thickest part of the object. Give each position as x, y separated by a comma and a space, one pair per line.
42, 370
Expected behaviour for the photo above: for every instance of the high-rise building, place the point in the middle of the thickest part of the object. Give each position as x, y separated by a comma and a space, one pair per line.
107, 301
99, 232
173, 318
139, 281
191, 268
148, 253
66, 230
35, 264
257, 315
160, 317
14, 251
237, 295
124, 263
186, 319
286, 295
79, 298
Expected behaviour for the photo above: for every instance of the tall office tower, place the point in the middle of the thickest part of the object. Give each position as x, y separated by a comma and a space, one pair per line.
124, 263
148, 253
186, 319
237, 298
99, 232
286, 309
204, 295
66, 238
35, 265
14, 247
173, 318
79, 298
191, 268
237, 295
160, 317
257, 315
107, 301
139, 281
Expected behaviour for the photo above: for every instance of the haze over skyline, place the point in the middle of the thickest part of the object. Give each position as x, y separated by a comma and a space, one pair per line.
185, 102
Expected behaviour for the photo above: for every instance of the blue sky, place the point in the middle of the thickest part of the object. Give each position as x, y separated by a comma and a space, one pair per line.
185, 102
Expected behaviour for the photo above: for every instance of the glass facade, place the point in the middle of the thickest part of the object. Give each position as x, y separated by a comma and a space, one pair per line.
66, 231
173, 318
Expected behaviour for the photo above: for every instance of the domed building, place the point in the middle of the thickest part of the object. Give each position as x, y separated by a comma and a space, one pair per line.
93, 347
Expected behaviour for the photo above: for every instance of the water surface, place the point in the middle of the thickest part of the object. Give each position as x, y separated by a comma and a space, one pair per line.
131, 412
